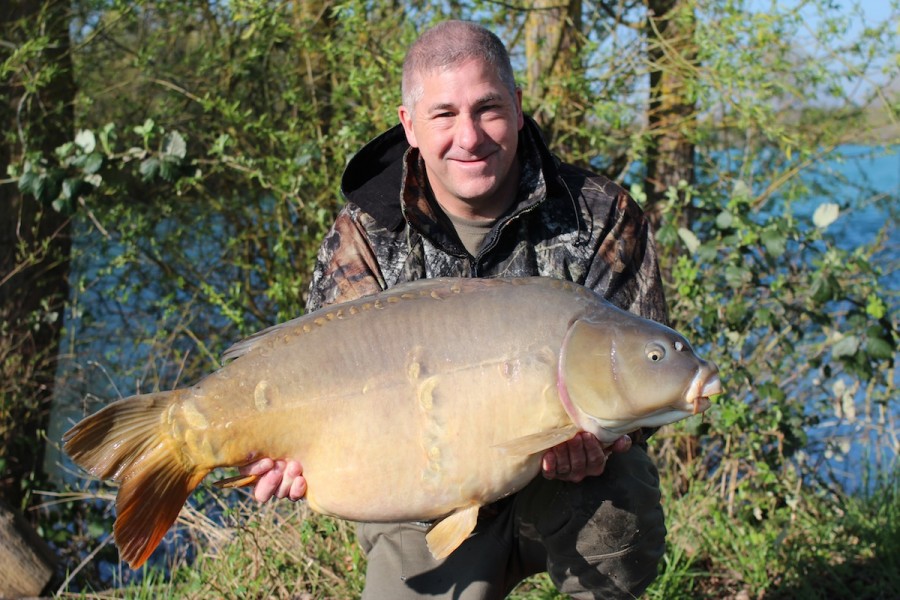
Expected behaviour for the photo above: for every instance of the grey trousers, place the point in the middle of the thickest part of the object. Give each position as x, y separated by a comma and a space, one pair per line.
601, 538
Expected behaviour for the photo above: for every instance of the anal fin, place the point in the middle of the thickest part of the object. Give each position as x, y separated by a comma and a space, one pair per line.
237, 481
447, 534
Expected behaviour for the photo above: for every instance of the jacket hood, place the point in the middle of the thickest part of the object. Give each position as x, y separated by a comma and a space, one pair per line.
373, 177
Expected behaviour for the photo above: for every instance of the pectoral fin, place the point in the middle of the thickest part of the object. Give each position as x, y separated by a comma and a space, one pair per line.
447, 534
538, 442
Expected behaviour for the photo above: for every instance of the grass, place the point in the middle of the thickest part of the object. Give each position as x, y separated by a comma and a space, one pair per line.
819, 544
809, 545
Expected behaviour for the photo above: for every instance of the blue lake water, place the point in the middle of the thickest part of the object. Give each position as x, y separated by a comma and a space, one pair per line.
872, 188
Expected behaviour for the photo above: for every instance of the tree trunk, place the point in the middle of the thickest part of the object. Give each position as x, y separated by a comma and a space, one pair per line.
35, 242
672, 112
553, 54
316, 21
27, 563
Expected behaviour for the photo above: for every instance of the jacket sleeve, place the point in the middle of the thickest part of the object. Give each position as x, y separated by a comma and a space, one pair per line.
346, 265
625, 269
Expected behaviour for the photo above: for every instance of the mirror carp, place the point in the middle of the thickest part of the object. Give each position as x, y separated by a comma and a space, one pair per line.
424, 402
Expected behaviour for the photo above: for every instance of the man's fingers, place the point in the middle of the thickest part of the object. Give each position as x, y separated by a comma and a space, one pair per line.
257, 468
561, 452
298, 489
548, 464
623, 444
582, 456
269, 483
292, 471
595, 456
577, 454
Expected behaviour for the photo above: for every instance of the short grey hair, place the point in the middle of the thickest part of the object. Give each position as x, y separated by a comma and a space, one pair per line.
449, 44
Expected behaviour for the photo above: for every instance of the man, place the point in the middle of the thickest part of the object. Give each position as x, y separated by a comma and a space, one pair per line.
465, 186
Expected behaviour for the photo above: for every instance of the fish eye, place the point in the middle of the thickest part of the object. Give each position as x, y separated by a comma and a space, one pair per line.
655, 352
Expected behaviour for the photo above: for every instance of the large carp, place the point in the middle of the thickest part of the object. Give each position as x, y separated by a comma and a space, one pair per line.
424, 402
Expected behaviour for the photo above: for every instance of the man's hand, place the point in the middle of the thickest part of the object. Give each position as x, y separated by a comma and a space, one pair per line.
279, 478
582, 456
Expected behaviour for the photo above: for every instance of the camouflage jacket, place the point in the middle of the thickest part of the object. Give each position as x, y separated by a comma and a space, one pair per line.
566, 223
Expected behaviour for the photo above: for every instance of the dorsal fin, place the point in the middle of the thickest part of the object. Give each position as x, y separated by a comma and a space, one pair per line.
432, 288
248, 343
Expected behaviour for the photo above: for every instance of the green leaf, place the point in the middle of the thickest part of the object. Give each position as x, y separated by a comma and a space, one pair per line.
27, 182
847, 346
107, 135
724, 219
70, 187
149, 168
146, 129
737, 276
690, 240
740, 191
879, 348
47, 186
62, 205
875, 307
96, 530
826, 214
774, 241
168, 170
92, 163
220, 144
824, 288
175, 145
85, 140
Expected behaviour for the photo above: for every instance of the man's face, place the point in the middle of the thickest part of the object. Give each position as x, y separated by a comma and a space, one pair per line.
466, 127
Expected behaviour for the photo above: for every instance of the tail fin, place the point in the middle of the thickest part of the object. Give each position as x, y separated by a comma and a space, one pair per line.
129, 442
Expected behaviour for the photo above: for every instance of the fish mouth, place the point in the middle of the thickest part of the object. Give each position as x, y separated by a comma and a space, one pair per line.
701, 390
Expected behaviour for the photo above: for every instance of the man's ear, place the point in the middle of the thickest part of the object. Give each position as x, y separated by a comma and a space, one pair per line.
406, 119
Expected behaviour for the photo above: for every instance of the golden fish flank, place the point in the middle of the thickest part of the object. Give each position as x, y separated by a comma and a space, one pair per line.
445, 391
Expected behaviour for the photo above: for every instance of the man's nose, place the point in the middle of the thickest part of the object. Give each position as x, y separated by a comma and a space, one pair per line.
468, 132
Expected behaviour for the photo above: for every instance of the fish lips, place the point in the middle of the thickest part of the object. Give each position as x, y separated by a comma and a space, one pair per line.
705, 384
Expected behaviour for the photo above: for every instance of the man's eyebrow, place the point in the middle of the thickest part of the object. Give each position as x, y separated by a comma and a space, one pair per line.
486, 99
441, 107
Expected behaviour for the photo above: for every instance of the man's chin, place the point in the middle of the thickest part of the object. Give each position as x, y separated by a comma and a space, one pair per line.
469, 186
